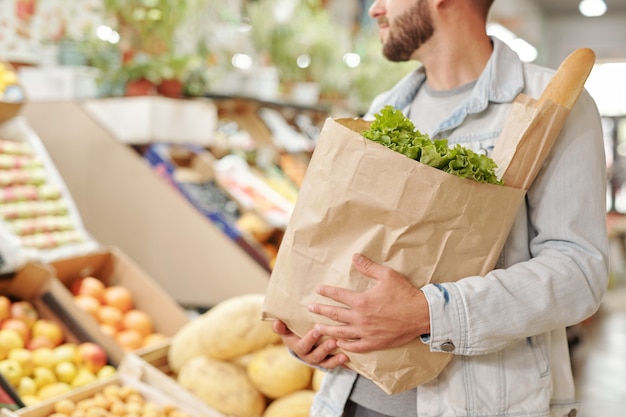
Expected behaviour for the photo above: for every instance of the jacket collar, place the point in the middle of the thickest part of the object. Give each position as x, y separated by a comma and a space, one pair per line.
500, 82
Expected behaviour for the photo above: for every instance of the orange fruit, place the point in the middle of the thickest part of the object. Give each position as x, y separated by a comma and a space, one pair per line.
108, 329
139, 321
89, 286
153, 338
111, 316
118, 296
129, 339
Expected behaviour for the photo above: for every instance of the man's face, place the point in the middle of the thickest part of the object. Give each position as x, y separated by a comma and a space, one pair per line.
406, 32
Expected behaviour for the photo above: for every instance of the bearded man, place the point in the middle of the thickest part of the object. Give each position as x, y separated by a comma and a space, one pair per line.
506, 329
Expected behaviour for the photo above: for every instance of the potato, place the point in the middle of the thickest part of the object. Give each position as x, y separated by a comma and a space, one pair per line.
234, 327
221, 385
276, 373
296, 404
184, 345
318, 377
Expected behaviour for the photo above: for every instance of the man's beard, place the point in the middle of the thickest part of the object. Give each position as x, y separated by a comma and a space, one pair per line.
408, 32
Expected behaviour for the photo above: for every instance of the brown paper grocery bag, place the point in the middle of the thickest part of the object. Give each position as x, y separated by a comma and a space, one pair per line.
358, 196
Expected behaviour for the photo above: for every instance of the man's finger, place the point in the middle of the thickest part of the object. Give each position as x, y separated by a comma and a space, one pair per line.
335, 361
339, 332
280, 328
338, 314
341, 295
355, 346
366, 266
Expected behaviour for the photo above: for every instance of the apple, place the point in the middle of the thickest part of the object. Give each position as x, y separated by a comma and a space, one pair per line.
65, 371
12, 371
9, 339
90, 356
106, 371
26, 386
65, 352
43, 376
30, 400
19, 325
48, 329
84, 376
24, 357
24, 311
5, 307
39, 342
44, 357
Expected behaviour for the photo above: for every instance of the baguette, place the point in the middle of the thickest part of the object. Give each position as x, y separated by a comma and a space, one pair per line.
569, 80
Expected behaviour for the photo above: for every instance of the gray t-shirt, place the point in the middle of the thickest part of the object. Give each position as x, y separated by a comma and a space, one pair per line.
440, 105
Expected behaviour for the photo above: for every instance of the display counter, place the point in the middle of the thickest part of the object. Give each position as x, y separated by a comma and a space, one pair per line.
123, 203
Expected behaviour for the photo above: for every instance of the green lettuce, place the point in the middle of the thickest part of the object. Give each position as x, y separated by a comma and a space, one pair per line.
391, 128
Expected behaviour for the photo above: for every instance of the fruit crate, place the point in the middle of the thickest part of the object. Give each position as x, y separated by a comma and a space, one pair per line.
137, 379
113, 267
39, 329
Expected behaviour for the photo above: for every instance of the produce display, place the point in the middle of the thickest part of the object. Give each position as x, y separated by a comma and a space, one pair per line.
31, 208
37, 218
113, 308
234, 362
38, 360
227, 357
391, 128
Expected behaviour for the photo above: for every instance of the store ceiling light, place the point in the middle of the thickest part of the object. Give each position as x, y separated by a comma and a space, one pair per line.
242, 61
303, 61
106, 33
352, 59
592, 8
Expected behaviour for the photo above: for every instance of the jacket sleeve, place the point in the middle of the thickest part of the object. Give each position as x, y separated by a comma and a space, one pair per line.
554, 268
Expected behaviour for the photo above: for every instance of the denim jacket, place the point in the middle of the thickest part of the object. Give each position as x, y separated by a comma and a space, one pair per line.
507, 328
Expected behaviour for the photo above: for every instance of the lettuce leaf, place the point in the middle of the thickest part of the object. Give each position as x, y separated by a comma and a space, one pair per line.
391, 128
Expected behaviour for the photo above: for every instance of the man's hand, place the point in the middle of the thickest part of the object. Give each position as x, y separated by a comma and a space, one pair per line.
391, 313
310, 348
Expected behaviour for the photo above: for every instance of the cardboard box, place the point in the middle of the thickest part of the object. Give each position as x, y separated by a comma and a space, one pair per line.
151, 384
112, 266
124, 204
157, 358
36, 284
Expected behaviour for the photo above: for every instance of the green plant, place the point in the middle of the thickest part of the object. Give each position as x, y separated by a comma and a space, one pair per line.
175, 67
305, 45
140, 67
147, 25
